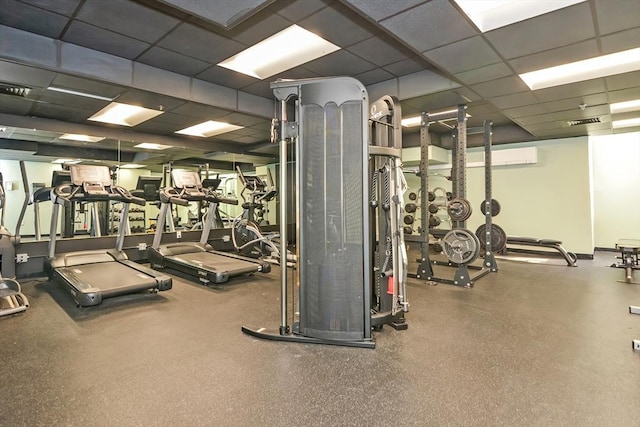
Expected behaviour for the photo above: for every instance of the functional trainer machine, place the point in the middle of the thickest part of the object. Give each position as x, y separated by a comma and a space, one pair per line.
351, 260
91, 276
197, 259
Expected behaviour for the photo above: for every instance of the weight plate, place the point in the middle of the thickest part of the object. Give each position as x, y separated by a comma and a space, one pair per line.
413, 196
495, 207
461, 246
408, 219
437, 247
432, 196
433, 208
449, 195
408, 230
498, 237
434, 221
459, 209
410, 207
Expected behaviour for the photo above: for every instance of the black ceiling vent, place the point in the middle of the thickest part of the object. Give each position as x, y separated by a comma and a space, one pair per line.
13, 90
583, 121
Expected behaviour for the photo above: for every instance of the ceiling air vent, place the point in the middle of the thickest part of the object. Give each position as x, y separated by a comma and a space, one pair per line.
583, 121
20, 91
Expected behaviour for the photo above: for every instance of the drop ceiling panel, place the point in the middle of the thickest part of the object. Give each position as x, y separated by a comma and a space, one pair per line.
618, 15
500, 87
340, 62
576, 113
380, 9
532, 120
515, 100
128, 18
15, 105
52, 111
11, 72
332, 24
150, 100
464, 55
552, 30
406, 66
378, 51
373, 76
550, 58
173, 61
620, 41
78, 102
297, 9
446, 25
572, 90
624, 81
87, 85
198, 111
104, 41
573, 103
63, 7
225, 14
624, 95
226, 77
200, 44
32, 19
527, 110
244, 120
252, 32
484, 74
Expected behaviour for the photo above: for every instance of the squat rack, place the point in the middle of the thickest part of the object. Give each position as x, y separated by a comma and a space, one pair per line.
458, 173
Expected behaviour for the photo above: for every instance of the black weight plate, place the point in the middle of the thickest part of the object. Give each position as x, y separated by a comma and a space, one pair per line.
449, 195
408, 219
410, 207
413, 196
408, 230
433, 208
461, 246
459, 209
434, 221
498, 237
432, 196
495, 207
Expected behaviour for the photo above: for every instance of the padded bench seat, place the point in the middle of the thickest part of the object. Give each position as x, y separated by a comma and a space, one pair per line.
543, 243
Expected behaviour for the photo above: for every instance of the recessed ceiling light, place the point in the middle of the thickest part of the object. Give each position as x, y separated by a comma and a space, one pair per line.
124, 114
491, 14
626, 123
282, 51
152, 146
593, 68
82, 138
623, 107
433, 117
77, 93
66, 161
209, 128
131, 166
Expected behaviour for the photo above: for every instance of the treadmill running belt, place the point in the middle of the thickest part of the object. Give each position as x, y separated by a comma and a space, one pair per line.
214, 262
111, 278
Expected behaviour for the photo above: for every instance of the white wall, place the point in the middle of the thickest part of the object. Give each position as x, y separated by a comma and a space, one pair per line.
616, 187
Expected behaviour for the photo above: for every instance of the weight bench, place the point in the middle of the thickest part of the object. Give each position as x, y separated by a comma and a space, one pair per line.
629, 256
556, 245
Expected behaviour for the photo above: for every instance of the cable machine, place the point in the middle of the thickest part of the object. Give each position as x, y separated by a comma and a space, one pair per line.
351, 269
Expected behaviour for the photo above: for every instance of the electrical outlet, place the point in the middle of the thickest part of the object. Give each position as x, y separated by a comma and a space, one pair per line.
178, 234
22, 258
226, 238
142, 246
636, 345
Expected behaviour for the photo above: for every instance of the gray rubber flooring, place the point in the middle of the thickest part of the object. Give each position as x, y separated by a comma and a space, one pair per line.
539, 345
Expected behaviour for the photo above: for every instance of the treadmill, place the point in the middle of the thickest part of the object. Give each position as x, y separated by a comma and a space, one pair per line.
93, 275
197, 259
44, 195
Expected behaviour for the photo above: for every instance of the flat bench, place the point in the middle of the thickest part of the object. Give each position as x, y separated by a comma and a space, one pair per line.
556, 245
629, 256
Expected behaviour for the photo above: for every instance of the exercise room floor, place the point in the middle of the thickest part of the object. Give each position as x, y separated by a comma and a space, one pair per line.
544, 345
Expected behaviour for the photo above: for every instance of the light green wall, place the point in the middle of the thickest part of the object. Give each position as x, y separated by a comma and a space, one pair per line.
616, 187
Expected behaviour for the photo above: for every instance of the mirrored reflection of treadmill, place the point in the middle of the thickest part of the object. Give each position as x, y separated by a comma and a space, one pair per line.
90, 276
197, 259
44, 195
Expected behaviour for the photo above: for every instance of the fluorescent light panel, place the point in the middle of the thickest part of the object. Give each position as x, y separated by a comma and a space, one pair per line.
81, 138
117, 113
626, 123
152, 146
131, 166
491, 14
623, 107
66, 161
209, 128
78, 93
433, 117
289, 48
593, 68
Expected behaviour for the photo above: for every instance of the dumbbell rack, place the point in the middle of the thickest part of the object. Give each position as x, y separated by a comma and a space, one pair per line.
458, 172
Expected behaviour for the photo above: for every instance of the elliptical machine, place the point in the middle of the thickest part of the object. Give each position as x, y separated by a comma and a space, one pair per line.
246, 234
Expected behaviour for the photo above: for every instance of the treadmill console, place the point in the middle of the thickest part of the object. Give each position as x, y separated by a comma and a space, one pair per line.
92, 178
188, 182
